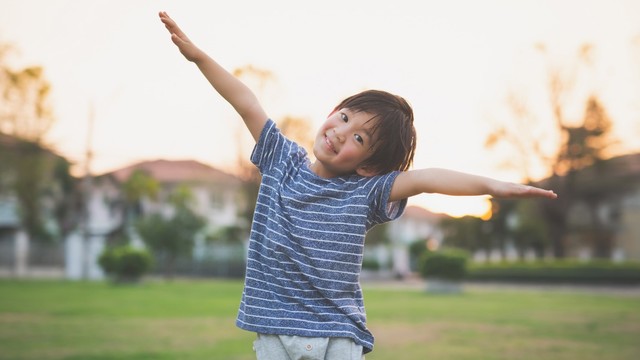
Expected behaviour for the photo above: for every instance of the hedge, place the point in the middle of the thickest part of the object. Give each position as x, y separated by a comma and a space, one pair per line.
560, 271
125, 263
445, 264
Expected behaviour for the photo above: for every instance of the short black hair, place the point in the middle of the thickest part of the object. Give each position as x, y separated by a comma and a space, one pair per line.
393, 132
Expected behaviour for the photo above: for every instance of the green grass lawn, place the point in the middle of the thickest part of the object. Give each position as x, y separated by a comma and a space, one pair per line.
195, 320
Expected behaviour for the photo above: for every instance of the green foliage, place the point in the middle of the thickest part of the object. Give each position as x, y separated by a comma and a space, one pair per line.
378, 235
417, 249
558, 271
139, 185
468, 232
446, 264
232, 234
171, 237
38, 178
531, 230
371, 264
42, 184
125, 263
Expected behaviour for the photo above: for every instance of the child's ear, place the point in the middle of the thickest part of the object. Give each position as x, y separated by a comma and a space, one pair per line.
366, 171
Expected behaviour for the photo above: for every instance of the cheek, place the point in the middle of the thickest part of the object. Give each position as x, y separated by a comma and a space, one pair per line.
357, 152
328, 124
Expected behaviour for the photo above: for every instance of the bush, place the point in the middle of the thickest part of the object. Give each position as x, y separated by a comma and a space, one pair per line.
125, 263
416, 251
446, 264
371, 264
558, 271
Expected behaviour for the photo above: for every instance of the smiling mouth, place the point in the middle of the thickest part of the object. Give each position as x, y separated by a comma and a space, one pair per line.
329, 144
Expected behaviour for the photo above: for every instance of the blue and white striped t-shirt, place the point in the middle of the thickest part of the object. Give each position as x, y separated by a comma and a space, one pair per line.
306, 245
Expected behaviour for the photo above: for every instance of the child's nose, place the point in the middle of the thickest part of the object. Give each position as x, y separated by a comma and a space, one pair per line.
339, 133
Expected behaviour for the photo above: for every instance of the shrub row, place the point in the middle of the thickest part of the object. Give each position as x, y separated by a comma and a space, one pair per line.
559, 271
125, 263
446, 264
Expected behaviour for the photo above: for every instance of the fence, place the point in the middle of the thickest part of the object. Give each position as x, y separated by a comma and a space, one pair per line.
21, 258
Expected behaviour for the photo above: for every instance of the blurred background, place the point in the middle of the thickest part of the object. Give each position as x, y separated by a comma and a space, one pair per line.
109, 137
126, 194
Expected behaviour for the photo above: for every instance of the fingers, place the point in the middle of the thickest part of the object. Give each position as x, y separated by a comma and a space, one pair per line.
541, 192
164, 17
166, 20
176, 40
172, 26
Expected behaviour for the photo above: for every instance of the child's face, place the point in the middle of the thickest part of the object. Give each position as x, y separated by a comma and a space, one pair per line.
343, 142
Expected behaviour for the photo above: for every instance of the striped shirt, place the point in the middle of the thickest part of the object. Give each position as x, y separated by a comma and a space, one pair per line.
306, 245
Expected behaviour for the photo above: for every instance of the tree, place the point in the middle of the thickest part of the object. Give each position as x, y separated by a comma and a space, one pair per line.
378, 235
170, 237
580, 145
42, 185
25, 110
530, 230
139, 185
29, 170
468, 233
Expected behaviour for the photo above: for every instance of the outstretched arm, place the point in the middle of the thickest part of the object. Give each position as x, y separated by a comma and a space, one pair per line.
228, 86
449, 182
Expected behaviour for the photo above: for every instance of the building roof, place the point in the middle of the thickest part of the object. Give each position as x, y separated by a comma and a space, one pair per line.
175, 171
624, 165
8, 140
13, 143
420, 213
616, 174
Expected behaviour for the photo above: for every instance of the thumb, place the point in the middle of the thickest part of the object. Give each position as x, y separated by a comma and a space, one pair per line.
176, 39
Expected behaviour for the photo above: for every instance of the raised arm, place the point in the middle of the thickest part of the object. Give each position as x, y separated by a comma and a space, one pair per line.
449, 182
228, 86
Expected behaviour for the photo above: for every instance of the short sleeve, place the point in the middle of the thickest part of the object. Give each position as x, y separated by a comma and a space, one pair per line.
273, 149
382, 209
263, 150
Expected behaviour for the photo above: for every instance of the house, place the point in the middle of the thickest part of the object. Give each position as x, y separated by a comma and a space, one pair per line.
218, 197
602, 213
33, 180
12, 239
609, 204
597, 215
416, 224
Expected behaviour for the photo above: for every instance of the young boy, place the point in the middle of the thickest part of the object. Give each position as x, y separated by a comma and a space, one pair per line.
302, 294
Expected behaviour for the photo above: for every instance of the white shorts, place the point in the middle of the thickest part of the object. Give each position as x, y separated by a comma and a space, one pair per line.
283, 347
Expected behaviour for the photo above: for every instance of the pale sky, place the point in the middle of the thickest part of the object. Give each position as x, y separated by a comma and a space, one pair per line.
454, 61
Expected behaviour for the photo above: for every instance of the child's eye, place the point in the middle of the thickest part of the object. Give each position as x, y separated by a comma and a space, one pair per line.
359, 138
344, 117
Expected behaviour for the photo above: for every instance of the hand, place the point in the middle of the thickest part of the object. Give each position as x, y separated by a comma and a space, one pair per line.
513, 190
186, 47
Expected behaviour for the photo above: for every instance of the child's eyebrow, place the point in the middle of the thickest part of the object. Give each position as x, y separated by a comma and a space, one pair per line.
367, 132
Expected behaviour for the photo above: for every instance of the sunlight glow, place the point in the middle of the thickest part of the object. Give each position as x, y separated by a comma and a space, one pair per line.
455, 206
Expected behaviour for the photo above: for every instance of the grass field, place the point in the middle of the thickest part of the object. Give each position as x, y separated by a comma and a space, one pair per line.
195, 320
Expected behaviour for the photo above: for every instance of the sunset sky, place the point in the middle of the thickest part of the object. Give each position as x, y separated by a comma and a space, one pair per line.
454, 61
